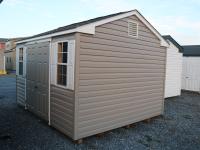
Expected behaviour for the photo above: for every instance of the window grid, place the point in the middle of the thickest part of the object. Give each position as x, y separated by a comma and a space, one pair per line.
62, 54
21, 61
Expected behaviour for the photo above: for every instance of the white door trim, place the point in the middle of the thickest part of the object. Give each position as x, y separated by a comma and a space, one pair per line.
49, 112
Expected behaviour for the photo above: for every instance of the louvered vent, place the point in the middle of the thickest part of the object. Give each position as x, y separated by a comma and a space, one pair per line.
132, 29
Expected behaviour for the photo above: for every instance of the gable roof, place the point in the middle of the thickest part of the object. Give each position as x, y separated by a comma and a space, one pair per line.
89, 27
191, 50
168, 37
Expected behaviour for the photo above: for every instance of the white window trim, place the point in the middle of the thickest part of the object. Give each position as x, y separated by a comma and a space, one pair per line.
57, 63
70, 73
137, 24
24, 61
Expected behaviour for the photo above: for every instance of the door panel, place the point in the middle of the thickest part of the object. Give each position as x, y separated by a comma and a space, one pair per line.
38, 78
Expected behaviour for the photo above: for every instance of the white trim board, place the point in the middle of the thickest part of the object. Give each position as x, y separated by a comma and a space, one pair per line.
49, 94
90, 28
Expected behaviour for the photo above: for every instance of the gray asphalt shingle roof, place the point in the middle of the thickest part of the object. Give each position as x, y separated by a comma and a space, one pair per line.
75, 25
191, 50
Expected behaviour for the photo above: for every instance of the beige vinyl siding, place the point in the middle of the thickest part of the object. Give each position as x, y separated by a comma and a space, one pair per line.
62, 110
20, 85
121, 78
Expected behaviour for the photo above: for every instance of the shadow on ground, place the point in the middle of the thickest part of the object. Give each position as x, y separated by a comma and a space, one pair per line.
179, 128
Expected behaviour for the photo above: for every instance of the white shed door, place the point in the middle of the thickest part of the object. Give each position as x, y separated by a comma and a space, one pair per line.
191, 74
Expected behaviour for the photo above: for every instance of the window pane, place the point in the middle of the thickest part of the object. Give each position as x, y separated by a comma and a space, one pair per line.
65, 46
20, 68
59, 57
21, 54
64, 58
61, 75
64, 80
64, 70
59, 47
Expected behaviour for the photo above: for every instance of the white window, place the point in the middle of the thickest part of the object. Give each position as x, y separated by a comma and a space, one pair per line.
62, 63
21, 59
133, 29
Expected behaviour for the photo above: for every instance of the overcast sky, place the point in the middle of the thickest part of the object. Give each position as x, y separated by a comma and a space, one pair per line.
179, 18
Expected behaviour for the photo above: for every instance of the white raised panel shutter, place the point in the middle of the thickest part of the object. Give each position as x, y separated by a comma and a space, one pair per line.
53, 62
70, 66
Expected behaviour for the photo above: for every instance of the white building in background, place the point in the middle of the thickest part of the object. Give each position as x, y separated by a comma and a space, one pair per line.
173, 68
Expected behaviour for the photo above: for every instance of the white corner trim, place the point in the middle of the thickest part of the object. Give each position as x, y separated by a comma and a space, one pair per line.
49, 94
90, 28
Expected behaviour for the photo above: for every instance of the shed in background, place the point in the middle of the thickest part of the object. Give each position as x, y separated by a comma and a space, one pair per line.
2, 57
173, 68
10, 54
191, 68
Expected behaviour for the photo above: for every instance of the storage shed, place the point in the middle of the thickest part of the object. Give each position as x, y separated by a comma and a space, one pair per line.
173, 68
93, 76
191, 68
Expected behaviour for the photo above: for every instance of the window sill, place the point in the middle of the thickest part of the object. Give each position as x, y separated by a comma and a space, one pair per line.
61, 86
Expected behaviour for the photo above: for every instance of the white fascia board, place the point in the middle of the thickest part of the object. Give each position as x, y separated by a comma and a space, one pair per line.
38, 41
90, 28
47, 36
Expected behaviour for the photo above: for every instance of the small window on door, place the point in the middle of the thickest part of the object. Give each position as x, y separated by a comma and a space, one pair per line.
21, 61
62, 60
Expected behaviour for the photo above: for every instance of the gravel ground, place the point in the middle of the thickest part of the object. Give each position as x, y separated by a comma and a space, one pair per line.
179, 128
